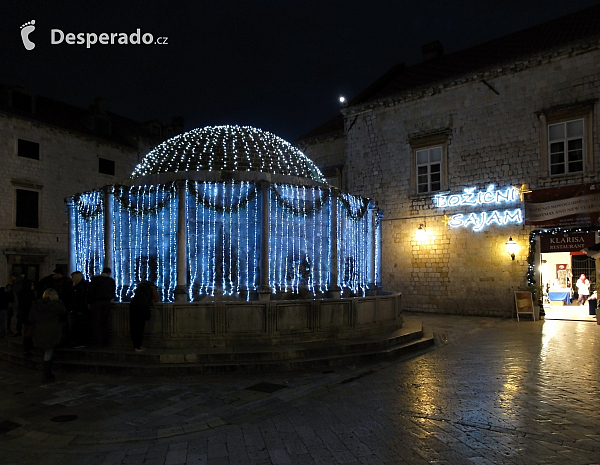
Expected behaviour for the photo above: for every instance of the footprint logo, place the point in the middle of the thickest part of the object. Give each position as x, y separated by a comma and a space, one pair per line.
27, 29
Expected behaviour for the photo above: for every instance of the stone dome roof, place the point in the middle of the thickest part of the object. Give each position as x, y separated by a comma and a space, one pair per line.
228, 148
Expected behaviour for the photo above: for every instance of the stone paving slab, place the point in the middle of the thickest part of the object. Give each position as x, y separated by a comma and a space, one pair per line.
493, 391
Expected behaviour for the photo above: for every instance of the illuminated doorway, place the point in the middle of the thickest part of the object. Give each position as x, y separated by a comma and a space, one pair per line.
559, 272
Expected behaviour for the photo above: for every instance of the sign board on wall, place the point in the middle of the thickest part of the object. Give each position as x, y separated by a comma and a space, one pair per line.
564, 206
572, 242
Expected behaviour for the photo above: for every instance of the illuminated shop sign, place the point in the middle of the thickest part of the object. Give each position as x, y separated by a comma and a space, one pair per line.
470, 197
483, 219
473, 198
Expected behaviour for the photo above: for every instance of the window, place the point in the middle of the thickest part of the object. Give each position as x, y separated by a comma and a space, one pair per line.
567, 139
566, 147
106, 166
429, 169
27, 208
429, 162
31, 272
28, 149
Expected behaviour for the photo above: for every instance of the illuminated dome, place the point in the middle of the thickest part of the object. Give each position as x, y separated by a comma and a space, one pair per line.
228, 148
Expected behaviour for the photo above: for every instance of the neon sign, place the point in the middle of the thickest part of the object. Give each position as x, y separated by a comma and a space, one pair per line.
483, 219
473, 198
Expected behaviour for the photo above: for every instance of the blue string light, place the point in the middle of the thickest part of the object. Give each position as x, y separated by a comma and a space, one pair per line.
223, 223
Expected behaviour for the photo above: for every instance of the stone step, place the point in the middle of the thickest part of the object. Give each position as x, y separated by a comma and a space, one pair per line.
236, 353
248, 366
258, 359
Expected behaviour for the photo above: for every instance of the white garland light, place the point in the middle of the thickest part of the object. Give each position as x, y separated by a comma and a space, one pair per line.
352, 245
224, 220
88, 229
222, 216
145, 240
228, 148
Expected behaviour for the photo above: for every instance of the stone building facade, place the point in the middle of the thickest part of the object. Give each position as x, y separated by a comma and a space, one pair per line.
456, 124
48, 151
325, 146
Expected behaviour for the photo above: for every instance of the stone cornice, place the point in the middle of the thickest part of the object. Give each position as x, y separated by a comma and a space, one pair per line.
426, 91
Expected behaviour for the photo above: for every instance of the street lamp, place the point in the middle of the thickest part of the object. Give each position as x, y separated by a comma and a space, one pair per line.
512, 247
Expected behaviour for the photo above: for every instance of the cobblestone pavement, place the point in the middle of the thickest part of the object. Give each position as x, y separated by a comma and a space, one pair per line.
499, 392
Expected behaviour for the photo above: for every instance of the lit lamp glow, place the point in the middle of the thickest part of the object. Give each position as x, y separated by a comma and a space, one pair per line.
421, 233
512, 247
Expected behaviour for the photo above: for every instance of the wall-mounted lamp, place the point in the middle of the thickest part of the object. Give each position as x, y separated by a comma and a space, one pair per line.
421, 233
512, 247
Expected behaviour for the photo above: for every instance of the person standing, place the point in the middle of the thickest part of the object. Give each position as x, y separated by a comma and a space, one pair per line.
48, 317
100, 293
25, 296
19, 300
79, 321
10, 296
57, 281
139, 311
583, 289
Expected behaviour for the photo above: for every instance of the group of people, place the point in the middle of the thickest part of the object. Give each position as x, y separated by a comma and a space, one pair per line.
70, 312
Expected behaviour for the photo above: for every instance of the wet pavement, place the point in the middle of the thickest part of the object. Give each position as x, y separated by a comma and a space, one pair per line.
492, 391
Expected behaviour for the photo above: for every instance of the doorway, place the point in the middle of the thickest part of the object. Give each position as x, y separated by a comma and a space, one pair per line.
559, 272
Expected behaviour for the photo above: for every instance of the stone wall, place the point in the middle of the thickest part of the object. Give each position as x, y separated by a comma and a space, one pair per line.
226, 323
494, 134
68, 163
328, 154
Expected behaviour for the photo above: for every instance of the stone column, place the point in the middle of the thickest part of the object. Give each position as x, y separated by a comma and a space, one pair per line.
71, 211
379, 227
108, 229
264, 291
181, 290
371, 285
334, 289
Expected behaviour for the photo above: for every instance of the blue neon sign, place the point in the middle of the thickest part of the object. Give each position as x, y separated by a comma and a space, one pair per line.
473, 198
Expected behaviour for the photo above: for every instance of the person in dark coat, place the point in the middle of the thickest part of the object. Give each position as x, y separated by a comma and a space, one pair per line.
21, 302
10, 296
79, 314
48, 317
139, 311
57, 281
25, 296
101, 291
3, 311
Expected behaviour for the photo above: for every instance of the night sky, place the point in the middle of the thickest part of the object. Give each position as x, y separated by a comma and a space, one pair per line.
277, 65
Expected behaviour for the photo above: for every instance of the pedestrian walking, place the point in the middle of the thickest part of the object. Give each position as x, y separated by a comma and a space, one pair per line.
140, 311
48, 318
3, 311
79, 314
100, 293
583, 289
